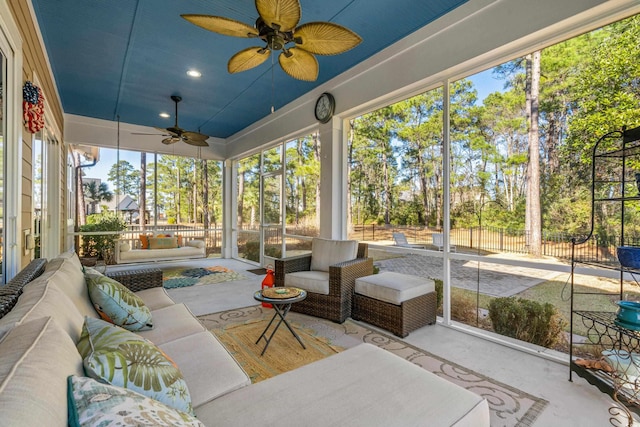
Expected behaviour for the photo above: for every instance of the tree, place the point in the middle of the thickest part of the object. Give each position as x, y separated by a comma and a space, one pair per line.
125, 178
96, 193
534, 223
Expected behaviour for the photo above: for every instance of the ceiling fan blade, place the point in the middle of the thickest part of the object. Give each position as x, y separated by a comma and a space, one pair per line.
171, 140
299, 64
325, 38
247, 59
155, 134
195, 138
283, 15
222, 25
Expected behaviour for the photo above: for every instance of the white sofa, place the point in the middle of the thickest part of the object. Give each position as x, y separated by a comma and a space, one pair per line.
125, 254
361, 386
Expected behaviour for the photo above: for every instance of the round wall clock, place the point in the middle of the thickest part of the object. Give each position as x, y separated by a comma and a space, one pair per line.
325, 106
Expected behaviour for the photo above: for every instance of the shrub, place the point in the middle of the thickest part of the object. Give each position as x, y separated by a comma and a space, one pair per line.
101, 245
439, 293
252, 250
527, 320
463, 308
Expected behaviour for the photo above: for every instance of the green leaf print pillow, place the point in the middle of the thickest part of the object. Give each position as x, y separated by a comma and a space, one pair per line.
92, 403
115, 303
122, 358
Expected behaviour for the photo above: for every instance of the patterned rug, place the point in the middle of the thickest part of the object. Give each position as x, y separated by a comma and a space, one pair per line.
180, 277
239, 329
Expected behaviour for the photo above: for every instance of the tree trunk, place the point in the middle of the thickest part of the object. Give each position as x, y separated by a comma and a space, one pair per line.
533, 190
82, 207
205, 195
240, 198
387, 189
195, 193
142, 215
178, 207
349, 167
316, 155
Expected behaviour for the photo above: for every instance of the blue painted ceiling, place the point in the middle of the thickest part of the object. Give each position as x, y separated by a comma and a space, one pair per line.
127, 57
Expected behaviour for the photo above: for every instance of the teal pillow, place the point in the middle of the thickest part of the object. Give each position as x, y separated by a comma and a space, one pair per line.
115, 303
122, 358
92, 403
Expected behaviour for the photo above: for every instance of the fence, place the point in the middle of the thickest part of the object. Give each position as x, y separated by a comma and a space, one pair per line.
496, 239
486, 239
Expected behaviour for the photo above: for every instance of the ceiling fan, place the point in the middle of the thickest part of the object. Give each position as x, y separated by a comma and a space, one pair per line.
277, 26
176, 134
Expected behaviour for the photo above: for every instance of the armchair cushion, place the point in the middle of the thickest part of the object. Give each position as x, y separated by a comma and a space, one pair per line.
325, 252
311, 281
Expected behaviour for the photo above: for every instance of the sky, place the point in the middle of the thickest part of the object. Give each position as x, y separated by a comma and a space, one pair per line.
484, 83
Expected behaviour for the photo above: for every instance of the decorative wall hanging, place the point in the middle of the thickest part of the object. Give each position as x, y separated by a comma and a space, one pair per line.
32, 107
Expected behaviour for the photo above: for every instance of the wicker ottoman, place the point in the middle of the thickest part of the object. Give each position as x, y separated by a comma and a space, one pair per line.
396, 302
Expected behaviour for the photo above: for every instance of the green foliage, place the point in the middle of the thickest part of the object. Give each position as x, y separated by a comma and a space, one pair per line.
101, 245
526, 320
129, 178
252, 251
439, 292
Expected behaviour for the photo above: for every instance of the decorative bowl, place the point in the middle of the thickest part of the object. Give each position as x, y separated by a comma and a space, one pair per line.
629, 256
628, 312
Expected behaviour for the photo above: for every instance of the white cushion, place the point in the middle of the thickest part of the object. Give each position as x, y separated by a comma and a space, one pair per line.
325, 252
362, 386
45, 301
155, 298
69, 278
139, 255
35, 360
393, 288
311, 281
170, 323
196, 243
206, 366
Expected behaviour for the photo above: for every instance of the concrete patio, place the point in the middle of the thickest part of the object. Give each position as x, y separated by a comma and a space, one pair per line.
570, 403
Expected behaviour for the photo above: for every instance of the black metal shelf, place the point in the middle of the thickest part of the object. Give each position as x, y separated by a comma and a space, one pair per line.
609, 168
606, 384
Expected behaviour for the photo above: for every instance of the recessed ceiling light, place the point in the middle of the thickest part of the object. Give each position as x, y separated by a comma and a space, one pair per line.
194, 73
165, 115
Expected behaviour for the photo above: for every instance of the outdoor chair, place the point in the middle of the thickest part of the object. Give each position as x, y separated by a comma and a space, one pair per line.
438, 241
401, 240
328, 274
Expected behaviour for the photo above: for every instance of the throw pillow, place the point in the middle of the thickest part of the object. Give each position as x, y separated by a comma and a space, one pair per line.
122, 358
326, 252
117, 304
163, 242
144, 241
92, 403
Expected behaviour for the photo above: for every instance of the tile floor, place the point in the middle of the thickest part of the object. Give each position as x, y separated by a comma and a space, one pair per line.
570, 403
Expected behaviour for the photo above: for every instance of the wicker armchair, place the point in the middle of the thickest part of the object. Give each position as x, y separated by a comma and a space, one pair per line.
336, 305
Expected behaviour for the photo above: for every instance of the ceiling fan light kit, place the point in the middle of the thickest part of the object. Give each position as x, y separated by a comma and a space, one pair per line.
277, 27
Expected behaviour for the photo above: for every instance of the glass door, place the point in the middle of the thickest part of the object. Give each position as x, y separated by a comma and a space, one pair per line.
271, 205
271, 208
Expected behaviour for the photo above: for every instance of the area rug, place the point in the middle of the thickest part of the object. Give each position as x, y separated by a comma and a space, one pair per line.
180, 277
239, 329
